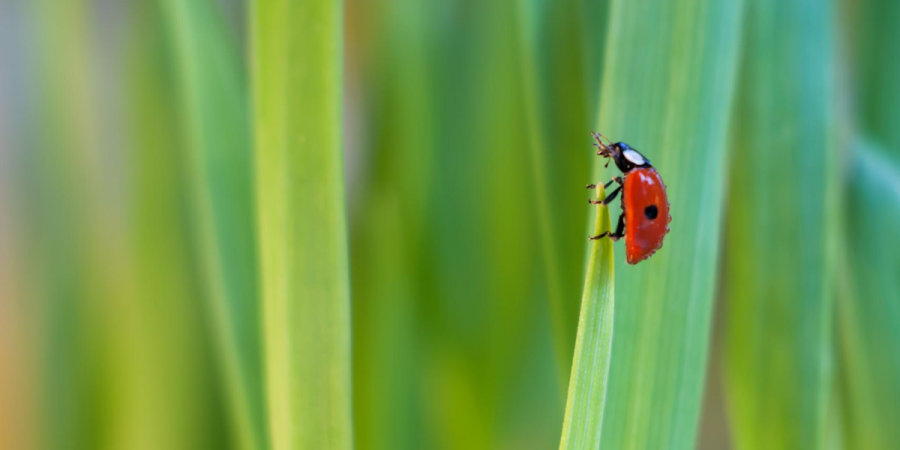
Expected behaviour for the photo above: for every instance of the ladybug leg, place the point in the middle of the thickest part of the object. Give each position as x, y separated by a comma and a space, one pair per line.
619, 234
614, 180
609, 198
620, 229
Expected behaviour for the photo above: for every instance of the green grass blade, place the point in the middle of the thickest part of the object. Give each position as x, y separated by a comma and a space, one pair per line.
387, 378
528, 13
124, 342
872, 37
491, 328
297, 81
593, 344
391, 235
213, 93
867, 311
781, 223
19, 425
869, 305
172, 390
54, 225
668, 80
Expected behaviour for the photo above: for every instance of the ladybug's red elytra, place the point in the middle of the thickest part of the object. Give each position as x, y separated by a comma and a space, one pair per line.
645, 218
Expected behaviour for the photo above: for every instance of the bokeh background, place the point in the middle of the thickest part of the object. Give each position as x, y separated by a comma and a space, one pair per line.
136, 202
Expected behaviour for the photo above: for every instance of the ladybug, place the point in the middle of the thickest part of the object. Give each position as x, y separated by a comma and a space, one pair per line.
645, 218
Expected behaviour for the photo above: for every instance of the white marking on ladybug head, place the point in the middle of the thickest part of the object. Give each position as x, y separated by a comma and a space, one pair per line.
634, 157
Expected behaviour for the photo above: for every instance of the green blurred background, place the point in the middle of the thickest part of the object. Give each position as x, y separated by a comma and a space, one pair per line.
185, 186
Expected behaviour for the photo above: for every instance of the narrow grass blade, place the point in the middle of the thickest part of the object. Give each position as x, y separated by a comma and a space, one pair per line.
55, 228
781, 225
390, 230
297, 81
19, 427
487, 302
122, 346
527, 15
668, 79
171, 391
593, 343
867, 312
559, 71
871, 31
213, 95
387, 379
868, 309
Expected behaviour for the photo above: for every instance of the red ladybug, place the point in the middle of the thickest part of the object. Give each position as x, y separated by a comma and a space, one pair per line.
645, 218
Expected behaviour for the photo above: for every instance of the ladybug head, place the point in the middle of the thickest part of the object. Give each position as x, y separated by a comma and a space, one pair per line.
626, 158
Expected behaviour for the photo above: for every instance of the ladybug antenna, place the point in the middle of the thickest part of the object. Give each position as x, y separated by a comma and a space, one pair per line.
604, 148
596, 134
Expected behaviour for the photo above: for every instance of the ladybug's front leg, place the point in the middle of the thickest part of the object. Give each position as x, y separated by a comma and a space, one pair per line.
619, 234
620, 228
609, 198
614, 180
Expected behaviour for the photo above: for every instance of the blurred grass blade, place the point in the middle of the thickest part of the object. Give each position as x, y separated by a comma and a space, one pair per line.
781, 223
74, 252
19, 424
593, 343
869, 304
297, 81
562, 316
486, 306
668, 81
559, 71
171, 395
389, 225
871, 29
867, 309
214, 98
387, 378
121, 341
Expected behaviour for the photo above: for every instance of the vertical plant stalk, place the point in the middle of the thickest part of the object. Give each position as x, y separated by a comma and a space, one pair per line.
593, 344
867, 312
302, 231
781, 228
18, 386
668, 79
213, 93
390, 231
867, 308
74, 248
531, 94
870, 29
171, 392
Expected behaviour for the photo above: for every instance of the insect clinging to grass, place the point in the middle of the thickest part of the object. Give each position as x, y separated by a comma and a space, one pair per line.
645, 218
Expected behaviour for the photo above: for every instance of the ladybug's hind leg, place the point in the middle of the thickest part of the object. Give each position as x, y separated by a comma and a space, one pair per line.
619, 234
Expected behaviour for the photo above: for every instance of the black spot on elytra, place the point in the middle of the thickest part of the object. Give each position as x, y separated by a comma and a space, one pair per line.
651, 212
